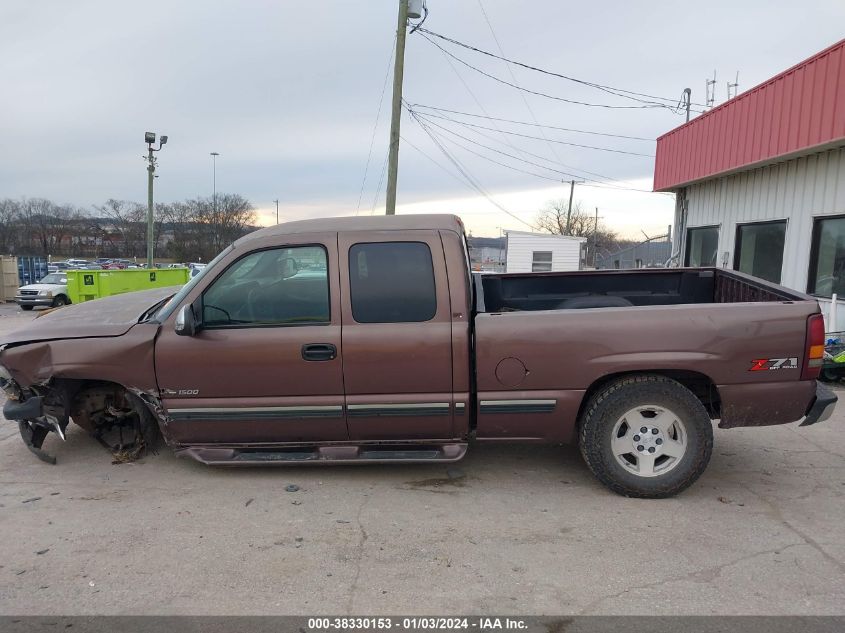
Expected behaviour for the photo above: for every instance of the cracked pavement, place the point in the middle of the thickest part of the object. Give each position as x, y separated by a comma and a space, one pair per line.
511, 529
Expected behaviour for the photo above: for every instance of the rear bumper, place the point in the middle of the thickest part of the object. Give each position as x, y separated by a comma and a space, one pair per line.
822, 407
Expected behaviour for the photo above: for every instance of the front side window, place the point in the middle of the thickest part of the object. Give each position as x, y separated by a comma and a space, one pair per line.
541, 262
759, 249
702, 246
279, 286
391, 282
827, 257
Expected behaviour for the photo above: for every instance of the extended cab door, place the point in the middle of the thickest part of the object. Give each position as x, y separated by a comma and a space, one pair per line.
266, 365
397, 345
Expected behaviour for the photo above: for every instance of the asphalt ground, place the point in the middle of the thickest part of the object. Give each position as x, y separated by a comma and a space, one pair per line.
511, 529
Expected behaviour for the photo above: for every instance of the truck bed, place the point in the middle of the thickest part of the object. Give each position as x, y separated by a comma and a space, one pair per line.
624, 288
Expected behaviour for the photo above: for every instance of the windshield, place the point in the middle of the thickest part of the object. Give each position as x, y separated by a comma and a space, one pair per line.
168, 308
54, 278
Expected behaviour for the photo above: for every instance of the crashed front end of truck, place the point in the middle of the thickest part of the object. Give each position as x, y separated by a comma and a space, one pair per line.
64, 368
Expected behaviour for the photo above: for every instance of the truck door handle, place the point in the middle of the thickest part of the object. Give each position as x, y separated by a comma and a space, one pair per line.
319, 351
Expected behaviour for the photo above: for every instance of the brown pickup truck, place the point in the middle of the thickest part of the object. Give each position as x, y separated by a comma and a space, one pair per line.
352, 340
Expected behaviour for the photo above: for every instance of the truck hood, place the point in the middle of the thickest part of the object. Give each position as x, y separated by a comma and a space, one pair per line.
43, 287
111, 316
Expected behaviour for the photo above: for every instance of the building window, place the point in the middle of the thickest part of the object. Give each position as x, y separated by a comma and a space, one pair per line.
827, 257
541, 262
759, 249
702, 245
391, 282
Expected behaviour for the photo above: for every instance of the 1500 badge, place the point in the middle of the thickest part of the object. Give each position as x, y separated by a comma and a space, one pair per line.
764, 364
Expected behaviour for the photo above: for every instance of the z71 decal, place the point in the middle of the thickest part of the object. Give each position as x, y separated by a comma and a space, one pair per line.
764, 364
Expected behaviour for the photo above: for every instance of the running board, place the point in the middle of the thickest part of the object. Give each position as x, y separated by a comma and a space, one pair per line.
214, 456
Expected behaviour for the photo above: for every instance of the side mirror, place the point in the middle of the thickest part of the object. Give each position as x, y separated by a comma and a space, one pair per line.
289, 267
186, 324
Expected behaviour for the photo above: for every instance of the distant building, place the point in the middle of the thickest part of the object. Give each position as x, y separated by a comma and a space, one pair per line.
760, 181
644, 255
487, 253
542, 252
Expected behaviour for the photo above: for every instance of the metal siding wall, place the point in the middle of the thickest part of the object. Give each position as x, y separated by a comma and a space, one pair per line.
796, 190
801, 108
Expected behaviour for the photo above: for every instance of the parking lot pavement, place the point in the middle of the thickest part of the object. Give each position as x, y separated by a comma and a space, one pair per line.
512, 529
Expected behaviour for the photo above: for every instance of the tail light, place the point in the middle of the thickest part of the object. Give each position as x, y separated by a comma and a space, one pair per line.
814, 352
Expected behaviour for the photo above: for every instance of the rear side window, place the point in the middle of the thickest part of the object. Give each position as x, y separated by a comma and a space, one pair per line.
391, 282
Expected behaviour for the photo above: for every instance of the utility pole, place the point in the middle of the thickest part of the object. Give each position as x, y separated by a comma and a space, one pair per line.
150, 139
396, 112
687, 99
214, 156
569, 211
277, 210
596, 238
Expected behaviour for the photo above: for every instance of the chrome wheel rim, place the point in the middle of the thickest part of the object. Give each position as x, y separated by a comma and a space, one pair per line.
649, 440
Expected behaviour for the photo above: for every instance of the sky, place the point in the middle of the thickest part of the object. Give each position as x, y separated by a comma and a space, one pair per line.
288, 93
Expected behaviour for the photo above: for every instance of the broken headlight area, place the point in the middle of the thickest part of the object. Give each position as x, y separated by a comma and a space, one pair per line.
8, 385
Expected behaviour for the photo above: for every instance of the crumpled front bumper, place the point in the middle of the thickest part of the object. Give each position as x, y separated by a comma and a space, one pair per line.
822, 407
34, 424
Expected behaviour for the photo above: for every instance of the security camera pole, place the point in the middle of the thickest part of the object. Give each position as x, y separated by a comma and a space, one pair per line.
150, 139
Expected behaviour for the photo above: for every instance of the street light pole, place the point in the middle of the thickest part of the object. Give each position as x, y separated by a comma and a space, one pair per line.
214, 156
150, 139
277, 211
151, 167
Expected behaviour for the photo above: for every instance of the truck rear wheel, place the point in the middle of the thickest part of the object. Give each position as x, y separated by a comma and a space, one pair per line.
646, 436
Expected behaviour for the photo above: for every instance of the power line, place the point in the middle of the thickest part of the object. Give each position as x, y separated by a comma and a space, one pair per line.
482, 134
421, 120
591, 183
467, 176
474, 98
513, 77
536, 92
378, 187
550, 127
619, 92
493, 149
537, 138
375, 127
441, 166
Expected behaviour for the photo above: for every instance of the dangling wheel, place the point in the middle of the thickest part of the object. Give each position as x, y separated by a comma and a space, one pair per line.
646, 436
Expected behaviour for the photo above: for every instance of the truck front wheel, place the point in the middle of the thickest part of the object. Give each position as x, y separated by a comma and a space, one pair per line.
646, 436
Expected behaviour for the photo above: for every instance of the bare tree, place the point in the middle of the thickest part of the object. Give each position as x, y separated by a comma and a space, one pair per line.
222, 224
9, 232
556, 218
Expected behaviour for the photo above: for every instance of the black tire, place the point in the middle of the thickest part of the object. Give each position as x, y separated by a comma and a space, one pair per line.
26, 308
617, 398
60, 301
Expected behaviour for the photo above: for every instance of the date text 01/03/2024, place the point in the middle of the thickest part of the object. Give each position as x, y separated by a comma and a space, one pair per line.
416, 623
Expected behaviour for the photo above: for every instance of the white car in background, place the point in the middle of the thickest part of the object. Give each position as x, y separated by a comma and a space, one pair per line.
51, 291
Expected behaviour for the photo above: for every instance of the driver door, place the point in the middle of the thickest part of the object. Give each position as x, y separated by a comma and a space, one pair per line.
265, 366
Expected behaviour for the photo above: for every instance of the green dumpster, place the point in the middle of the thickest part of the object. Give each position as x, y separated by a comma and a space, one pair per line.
85, 285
